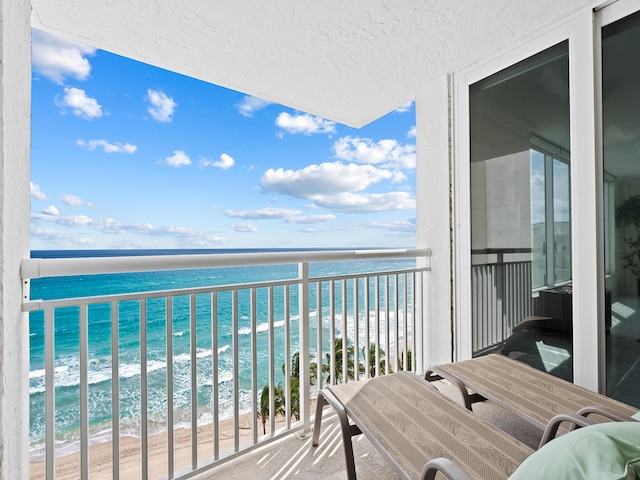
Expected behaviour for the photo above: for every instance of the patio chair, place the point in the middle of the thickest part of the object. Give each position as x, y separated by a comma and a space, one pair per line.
420, 431
531, 394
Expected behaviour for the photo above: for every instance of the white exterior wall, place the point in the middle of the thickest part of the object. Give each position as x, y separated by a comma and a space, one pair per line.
500, 205
433, 228
15, 109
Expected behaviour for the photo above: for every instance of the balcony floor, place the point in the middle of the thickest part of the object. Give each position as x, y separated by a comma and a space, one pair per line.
294, 457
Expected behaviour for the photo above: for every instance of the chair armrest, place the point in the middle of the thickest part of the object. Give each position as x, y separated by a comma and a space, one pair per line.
605, 412
444, 466
553, 425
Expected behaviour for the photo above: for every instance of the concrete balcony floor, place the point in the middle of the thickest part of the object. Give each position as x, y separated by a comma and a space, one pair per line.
294, 457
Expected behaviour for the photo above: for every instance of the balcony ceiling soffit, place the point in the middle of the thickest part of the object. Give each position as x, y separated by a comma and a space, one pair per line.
349, 61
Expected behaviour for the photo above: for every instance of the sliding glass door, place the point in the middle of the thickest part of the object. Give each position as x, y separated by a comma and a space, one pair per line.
520, 210
621, 198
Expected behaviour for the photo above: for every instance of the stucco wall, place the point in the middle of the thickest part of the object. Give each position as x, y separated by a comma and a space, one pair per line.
433, 228
350, 61
15, 81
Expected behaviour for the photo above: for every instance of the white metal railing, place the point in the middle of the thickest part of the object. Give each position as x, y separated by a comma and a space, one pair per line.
501, 295
375, 317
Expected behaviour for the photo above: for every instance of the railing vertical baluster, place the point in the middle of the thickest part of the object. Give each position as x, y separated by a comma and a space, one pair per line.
345, 336
50, 393
387, 322
84, 391
396, 321
423, 309
169, 329
418, 327
115, 392
332, 332
236, 371
214, 367
143, 390
304, 365
367, 328
377, 332
405, 321
271, 349
287, 356
356, 329
193, 345
254, 364
319, 336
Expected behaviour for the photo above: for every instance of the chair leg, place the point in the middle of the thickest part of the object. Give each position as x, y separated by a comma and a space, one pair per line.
320, 403
324, 397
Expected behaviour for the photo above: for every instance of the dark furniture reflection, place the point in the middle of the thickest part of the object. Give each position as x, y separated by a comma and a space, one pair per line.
556, 303
549, 331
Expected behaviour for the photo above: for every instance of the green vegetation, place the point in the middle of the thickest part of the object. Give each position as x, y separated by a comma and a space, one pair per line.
294, 377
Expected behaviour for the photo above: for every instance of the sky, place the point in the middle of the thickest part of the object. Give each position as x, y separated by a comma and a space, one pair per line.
125, 155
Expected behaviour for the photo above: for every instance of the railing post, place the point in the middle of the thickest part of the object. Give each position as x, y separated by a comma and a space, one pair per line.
303, 306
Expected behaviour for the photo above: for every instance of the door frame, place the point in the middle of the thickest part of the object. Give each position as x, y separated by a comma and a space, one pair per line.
586, 187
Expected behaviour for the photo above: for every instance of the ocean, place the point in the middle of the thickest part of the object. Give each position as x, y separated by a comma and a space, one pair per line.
67, 334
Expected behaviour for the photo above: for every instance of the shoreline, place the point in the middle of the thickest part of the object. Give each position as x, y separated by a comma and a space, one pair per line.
100, 454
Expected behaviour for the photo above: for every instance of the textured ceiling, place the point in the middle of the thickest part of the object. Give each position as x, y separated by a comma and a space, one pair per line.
351, 61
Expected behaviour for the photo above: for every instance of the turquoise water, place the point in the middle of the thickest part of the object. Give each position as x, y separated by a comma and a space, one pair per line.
67, 334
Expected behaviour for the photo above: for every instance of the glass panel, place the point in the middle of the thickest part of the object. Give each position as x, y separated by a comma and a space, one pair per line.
538, 224
520, 228
621, 142
561, 222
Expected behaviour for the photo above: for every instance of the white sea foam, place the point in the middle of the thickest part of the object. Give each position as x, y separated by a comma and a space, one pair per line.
41, 373
263, 327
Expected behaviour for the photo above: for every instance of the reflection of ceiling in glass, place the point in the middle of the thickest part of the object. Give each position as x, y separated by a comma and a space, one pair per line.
621, 97
528, 98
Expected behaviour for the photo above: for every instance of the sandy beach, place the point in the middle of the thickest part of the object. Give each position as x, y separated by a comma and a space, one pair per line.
100, 455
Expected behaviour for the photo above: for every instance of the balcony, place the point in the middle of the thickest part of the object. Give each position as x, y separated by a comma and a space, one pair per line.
171, 382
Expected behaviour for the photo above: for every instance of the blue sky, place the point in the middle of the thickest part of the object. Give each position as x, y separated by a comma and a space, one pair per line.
127, 155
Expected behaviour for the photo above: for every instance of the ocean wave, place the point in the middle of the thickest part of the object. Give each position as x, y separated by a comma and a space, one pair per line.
263, 327
130, 426
41, 373
68, 376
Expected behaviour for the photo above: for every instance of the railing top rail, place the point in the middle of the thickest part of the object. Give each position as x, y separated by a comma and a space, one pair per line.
38, 304
59, 267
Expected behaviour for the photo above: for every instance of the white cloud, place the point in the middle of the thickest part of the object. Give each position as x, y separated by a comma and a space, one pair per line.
244, 227
161, 107
268, 213
51, 210
106, 146
80, 104
405, 108
400, 227
385, 153
367, 203
324, 179
56, 58
36, 192
310, 219
60, 239
116, 227
250, 104
74, 201
78, 220
412, 132
225, 162
287, 215
178, 159
305, 124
